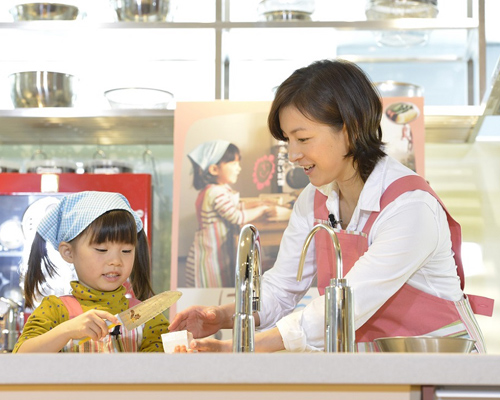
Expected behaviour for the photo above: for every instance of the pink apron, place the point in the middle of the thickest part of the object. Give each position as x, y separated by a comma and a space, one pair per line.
409, 311
127, 341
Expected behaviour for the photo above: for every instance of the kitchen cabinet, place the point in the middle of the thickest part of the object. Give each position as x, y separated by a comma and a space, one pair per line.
223, 55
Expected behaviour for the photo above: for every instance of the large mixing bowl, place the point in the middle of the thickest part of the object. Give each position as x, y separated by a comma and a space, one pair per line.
141, 10
390, 9
398, 89
42, 89
424, 344
138, 98
43, 11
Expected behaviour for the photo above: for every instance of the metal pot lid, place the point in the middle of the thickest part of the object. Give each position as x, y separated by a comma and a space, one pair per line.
50, 166
4, 307
11, 234
106, 162
9, 166
34, 214
51, 163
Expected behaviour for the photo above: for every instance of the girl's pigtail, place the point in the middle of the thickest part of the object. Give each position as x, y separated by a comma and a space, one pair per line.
140, 277
34, 275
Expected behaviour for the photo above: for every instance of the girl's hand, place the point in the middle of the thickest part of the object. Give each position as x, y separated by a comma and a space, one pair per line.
183, 349
91, 324
271, 212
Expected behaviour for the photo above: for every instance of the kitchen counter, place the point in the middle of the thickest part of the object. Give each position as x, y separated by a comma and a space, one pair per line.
356, 376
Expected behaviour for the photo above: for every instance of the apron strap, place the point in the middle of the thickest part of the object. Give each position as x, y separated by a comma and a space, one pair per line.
73, 306
480, 305
416, 182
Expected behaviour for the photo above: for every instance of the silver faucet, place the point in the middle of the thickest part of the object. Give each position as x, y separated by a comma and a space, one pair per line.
339, 302
248, 271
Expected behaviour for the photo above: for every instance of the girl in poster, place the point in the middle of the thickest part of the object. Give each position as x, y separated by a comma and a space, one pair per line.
216, 166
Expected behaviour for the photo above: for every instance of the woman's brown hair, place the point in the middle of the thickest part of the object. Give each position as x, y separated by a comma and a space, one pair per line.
339, 94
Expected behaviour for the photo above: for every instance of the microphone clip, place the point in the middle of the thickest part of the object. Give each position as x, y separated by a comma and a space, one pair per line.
333, 221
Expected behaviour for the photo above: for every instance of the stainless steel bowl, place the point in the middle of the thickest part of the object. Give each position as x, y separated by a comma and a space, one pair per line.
44, 11
286, 10
424, 344
398, 89
286, 15
141, 10
42, 89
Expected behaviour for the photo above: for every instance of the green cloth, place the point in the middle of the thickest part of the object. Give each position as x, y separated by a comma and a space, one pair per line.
52, 312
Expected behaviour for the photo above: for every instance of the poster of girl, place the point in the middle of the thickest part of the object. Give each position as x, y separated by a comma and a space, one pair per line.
219, 212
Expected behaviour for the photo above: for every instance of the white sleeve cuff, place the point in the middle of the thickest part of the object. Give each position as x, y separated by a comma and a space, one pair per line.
291, 332
294, 326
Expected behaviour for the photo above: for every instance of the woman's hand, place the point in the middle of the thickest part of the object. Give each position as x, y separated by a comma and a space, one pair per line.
212, 345
201, 321
206, 345
265, 342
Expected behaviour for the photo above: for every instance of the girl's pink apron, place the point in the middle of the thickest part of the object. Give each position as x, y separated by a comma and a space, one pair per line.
409, 311
128, 341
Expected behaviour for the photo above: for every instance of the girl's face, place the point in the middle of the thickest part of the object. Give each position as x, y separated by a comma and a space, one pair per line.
316, 147
227, 172
104, 266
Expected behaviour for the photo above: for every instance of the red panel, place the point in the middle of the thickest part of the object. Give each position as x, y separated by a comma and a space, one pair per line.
11, 183
135, 187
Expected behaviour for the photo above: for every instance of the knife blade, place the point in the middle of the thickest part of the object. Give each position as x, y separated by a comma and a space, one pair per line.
150, 308
142, 312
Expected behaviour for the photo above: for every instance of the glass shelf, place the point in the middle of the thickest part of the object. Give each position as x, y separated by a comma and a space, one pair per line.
73, 126
236, 58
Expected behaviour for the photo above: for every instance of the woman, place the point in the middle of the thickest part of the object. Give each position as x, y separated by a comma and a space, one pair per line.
399, 245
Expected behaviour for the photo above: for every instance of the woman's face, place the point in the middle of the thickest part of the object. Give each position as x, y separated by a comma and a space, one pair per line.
316, 147
104, 266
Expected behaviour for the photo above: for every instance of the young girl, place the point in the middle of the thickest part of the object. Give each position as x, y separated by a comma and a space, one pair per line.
216, 166
103, 238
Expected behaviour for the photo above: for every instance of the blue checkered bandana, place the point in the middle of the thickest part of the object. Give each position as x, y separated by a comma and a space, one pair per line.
77, 211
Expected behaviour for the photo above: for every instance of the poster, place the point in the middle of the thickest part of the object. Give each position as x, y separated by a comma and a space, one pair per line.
245, 125
403, 131
265, 174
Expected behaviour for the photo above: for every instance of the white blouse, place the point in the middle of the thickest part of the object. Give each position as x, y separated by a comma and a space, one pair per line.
408, 243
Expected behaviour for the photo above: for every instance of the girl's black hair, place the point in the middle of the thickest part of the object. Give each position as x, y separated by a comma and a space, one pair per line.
117, 226
339, 94
203, 178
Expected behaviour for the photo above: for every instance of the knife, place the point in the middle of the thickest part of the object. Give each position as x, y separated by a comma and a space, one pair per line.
142, 312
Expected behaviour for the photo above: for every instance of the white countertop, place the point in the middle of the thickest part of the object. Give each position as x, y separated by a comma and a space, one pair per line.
277, 368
